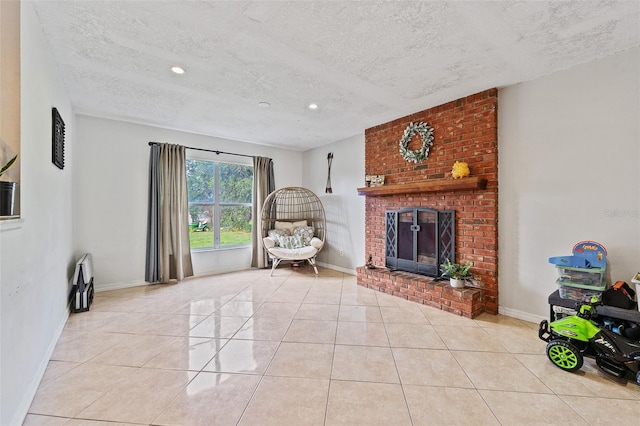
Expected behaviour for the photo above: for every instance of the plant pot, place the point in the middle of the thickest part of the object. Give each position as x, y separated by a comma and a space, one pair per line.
7, 198
456, 283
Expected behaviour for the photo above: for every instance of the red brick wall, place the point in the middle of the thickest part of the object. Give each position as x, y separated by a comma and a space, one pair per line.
464, 130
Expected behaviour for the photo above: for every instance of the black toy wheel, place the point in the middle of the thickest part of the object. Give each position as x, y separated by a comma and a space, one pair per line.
564, 355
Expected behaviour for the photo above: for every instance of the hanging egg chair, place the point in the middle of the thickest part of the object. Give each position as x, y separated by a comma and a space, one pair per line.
293, 226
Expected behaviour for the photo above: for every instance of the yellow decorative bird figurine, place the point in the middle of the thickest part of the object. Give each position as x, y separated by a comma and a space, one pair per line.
460, 170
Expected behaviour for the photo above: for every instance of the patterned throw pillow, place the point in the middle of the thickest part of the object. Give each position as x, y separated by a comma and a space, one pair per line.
306, 232
292, 242
275, 234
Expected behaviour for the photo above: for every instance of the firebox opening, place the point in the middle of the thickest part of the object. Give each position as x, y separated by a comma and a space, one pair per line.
418, 239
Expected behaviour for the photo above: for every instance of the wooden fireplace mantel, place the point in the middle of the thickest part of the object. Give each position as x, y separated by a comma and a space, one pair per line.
434, 185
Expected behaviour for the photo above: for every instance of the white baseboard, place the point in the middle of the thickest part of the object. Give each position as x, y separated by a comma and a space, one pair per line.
117, 286
222, 271
23, 409
128, 284
525, 316
337, 268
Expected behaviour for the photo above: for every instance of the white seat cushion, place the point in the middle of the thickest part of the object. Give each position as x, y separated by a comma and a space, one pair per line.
302, 253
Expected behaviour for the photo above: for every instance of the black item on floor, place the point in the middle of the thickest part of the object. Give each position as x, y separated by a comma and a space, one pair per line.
82, 290
620, 296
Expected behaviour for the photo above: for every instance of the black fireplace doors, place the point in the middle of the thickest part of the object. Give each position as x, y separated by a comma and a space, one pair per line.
418, 239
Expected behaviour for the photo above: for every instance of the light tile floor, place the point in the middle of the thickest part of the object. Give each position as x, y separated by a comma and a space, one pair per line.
295, 349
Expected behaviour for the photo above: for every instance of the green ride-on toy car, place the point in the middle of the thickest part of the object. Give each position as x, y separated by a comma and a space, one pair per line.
571, 338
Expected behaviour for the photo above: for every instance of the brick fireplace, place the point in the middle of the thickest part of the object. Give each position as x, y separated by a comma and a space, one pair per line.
464, 130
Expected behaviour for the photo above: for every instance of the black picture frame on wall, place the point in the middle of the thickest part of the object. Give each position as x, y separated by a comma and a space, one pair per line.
57, 139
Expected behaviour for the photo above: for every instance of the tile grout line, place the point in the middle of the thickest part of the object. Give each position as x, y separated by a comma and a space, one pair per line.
333, 355
264, 373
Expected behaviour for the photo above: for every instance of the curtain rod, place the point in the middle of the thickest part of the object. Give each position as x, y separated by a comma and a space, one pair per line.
209, 150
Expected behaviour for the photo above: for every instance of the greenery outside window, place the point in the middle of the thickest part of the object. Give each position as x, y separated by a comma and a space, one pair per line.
219, 204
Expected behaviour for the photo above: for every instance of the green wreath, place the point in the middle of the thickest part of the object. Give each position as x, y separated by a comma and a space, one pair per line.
426, 132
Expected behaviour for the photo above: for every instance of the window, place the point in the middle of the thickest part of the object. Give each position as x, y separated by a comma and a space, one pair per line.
219, 204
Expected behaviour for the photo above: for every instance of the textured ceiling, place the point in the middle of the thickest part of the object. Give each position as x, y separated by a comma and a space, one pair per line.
363, 62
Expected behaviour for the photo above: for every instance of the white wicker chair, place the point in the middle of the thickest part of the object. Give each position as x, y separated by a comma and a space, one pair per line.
287, 206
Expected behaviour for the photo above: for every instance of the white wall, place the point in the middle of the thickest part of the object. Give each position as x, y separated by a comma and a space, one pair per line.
569, 170
111, 193
36, 254
344, 207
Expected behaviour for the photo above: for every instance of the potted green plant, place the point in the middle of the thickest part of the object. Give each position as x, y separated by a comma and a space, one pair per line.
458, 273
7, 191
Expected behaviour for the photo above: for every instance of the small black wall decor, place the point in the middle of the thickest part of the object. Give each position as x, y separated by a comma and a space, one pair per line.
57, 139
328, 188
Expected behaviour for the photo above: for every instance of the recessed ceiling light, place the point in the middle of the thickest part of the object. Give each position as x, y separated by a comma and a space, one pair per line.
264, 104
313, 106
177, 70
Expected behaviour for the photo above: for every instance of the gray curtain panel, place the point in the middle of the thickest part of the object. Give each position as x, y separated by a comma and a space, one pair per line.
170, 248
175, 251
263, 185
152, 268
